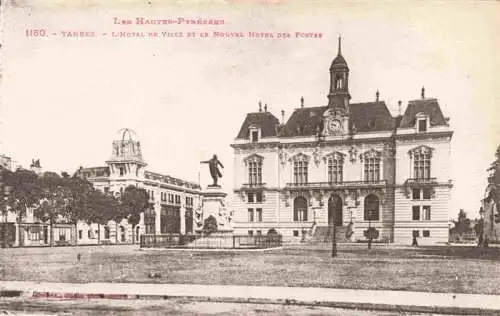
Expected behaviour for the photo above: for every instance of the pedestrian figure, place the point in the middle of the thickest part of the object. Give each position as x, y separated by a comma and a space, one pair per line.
414, 243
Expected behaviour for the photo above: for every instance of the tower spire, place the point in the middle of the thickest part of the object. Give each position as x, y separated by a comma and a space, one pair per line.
340, 46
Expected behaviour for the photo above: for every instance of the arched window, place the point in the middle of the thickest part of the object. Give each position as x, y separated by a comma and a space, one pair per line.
338, 83
371, 208
300, 209
122, 230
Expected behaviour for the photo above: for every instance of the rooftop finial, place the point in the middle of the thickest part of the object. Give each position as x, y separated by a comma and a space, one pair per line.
301, 102
260, 106
423, 93
283, 117
377, 94
340, 45
399, 107
265, 107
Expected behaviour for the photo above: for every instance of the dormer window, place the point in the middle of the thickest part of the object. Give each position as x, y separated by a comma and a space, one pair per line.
422, 125
255, 136
422, 122
254, 133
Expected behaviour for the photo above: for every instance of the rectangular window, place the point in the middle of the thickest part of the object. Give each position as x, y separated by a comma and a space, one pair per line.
250, 197
259, 233
426, 213
255, 136
426, 233
80, 234
335, 171
415, 233
255, 172
416, 213
372, 169
300, 172
427, 194
422, 125
89, 234
422, 166
259, 214
258, 197
416, 194
295, 233
250, 215
250, 233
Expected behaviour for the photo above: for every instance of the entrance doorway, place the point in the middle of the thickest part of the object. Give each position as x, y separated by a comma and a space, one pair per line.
335, 210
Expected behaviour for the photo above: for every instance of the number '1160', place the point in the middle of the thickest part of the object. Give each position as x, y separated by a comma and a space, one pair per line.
35, 33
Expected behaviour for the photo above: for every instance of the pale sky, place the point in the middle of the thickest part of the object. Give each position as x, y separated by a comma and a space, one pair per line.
64, 99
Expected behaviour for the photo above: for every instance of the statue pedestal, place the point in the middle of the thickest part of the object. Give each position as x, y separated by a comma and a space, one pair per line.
214, 205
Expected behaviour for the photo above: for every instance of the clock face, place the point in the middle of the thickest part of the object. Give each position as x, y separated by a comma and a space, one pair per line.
335, 125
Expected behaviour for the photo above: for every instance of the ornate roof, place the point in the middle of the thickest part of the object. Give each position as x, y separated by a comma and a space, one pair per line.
429, 107
365, 117
266, 121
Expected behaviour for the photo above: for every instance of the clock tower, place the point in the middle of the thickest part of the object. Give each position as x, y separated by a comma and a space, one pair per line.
336, 117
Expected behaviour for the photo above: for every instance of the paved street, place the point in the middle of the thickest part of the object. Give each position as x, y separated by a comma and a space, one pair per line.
365, 299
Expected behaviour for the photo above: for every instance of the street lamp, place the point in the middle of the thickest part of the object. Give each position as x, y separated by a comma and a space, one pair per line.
370, 214
334, 238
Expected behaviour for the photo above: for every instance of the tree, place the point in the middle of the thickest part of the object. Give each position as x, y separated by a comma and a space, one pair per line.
25, 192
272, 232
210, 225
55, 199
133, 202
371, 233
462, 225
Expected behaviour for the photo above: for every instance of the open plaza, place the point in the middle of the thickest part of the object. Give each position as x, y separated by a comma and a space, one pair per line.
456, 269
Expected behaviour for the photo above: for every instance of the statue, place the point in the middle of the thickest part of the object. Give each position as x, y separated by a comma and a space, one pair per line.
214, 170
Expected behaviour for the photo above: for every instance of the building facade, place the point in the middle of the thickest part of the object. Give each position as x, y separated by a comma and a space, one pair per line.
349, 164
176, 204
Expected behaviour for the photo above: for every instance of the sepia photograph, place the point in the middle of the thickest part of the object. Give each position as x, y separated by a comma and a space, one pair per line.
240, 157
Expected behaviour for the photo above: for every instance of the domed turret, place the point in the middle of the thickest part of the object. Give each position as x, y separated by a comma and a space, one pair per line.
126, 146
338, 95
126, 157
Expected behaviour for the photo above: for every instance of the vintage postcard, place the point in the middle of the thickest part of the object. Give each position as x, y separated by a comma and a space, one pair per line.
249, 157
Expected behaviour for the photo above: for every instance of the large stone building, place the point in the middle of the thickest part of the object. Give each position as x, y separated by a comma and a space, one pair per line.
176, 203
353, 164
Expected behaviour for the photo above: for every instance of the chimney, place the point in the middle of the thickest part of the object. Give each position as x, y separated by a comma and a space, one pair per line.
399, 107
377, 94
265, 107
423, 93
282, 117
301, 102
260, 106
